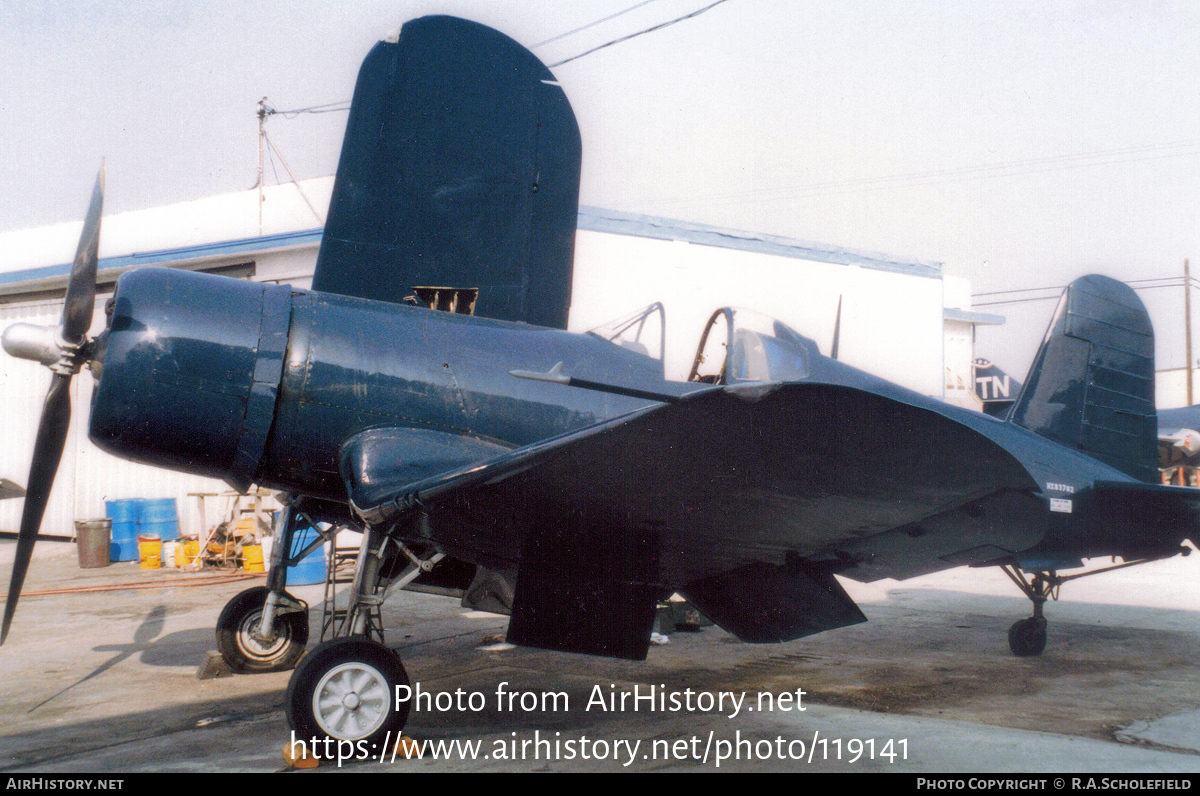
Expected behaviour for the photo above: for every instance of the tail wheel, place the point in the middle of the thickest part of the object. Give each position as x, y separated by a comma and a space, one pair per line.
238, 642
1027, 637
345, 689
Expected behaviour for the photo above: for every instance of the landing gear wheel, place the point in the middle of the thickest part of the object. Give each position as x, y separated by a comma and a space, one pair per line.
1027, 637
345, 689
246, 654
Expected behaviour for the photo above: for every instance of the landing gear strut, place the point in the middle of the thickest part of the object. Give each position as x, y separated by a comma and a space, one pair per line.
1027, 637
265, 629
346, 688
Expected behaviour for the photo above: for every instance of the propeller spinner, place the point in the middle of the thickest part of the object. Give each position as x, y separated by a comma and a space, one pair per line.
63, 349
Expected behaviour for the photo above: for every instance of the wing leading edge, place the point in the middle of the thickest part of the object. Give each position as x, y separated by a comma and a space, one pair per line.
750, 513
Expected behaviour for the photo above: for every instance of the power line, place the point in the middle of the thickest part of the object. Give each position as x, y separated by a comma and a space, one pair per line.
659, 26
276, 153
591, 24
1057, 296
1177, 279
1046, 159
329, 107
1012, 168
344, 105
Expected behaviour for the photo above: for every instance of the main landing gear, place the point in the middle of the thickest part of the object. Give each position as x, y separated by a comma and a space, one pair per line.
345, 688
241, 641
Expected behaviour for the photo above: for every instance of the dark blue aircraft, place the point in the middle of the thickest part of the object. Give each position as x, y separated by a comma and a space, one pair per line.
560, 477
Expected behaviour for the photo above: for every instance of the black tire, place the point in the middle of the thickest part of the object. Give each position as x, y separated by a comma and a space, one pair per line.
1027, 637
326, 671
242, 652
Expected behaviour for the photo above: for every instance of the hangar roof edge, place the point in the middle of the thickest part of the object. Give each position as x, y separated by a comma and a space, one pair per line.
620, 223
590, 219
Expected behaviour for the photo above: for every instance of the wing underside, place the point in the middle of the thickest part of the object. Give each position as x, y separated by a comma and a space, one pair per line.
744, 500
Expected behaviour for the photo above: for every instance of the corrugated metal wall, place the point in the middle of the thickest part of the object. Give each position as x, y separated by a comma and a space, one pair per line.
87, 476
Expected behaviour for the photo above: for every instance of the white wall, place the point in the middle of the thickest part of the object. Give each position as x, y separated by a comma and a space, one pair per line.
959, 370
1170, 388
891, 323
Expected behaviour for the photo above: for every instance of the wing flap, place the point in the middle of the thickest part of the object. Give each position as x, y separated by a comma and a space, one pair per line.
763, 603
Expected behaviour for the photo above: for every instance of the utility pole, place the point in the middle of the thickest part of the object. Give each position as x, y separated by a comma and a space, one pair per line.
1187, 325
263, 112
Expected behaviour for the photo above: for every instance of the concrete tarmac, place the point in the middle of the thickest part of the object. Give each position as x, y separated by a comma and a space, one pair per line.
105, 682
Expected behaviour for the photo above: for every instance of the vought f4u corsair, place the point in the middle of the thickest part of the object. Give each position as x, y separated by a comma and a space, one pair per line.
560, 475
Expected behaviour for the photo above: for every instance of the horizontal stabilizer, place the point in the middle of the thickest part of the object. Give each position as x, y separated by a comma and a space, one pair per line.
1142, 520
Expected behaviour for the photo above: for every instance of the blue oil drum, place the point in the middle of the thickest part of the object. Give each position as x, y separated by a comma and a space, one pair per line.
123, 513
311, 569
158, 517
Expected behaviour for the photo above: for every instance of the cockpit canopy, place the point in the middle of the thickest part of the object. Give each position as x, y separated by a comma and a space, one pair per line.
740, 345
736, 345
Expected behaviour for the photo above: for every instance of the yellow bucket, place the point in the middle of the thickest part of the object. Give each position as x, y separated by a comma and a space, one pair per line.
150, 550
186, 551
252, 558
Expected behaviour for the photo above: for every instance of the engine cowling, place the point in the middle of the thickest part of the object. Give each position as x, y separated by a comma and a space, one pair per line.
191, 371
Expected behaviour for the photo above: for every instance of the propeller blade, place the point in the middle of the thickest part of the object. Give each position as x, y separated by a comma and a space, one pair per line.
78, 306
47, 451
80, 300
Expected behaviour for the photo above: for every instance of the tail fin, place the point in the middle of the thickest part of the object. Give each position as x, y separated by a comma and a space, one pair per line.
1091, 386
459, 169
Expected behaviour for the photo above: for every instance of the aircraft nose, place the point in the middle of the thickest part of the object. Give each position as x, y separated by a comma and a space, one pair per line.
27, 341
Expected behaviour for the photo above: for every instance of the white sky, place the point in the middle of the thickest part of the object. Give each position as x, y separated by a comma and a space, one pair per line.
741, 117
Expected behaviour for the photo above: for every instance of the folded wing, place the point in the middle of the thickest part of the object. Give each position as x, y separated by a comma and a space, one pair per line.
745, 499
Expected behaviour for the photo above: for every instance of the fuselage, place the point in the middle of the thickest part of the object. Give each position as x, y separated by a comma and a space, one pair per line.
258, 383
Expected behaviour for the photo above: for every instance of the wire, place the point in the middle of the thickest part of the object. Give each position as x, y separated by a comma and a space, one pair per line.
276, 153
1176, 280
344, 105
958, 174
591, 24
1057, 296
1047, 159
659, 26
329, 107
214, 580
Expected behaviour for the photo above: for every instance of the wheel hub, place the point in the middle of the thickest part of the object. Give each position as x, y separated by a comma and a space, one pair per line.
253, 645
351, 701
